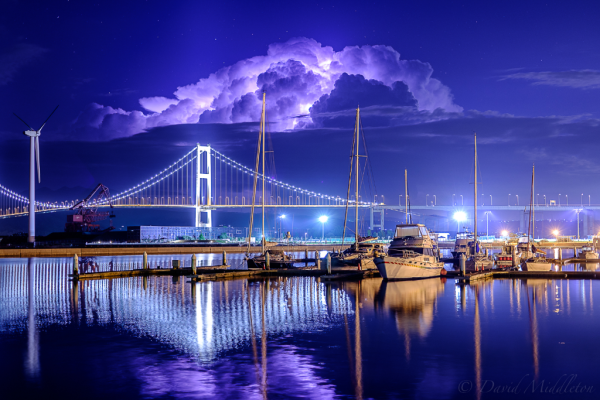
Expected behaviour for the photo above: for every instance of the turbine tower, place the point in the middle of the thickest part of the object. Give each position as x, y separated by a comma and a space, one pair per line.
34, 159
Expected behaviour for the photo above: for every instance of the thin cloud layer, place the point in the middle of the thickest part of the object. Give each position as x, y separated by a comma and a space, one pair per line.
295, 75
579, 79
16, 58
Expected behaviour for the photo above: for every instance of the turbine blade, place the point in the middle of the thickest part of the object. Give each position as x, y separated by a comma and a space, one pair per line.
37, 157
48, 118
24, 122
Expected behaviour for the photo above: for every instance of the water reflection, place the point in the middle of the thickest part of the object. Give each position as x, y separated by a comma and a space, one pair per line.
32, 364
412, 302
285, 337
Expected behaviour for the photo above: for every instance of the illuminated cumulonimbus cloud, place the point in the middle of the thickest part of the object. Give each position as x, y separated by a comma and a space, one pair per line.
295, 75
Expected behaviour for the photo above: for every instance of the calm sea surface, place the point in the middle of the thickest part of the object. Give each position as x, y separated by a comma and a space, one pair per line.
280, 338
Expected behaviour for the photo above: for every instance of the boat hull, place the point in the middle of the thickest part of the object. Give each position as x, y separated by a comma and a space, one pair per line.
396, 268
536, 266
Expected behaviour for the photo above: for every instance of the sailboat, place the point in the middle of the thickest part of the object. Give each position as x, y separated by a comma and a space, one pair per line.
477, 261
533, 259
360, 254
412, 253
277, 258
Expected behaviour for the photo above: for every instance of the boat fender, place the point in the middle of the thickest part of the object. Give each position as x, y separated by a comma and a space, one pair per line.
443, 271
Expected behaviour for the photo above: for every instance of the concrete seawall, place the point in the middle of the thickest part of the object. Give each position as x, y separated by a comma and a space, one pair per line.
124, 251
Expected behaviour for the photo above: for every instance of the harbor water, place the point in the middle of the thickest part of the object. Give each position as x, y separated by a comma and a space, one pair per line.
292, 337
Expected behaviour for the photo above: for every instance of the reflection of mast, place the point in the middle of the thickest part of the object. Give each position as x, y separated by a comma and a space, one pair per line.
477, 327
357, 350
407, 345
253, 336
32, 365
263, 341
534, 334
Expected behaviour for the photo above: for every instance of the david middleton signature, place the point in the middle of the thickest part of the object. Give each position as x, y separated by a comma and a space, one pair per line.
565, 384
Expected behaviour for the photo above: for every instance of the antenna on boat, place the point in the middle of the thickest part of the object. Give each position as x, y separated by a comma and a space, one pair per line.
357, 130
475, 193
408, 216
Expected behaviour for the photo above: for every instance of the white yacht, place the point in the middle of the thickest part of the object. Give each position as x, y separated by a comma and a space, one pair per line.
412, 255
588, 253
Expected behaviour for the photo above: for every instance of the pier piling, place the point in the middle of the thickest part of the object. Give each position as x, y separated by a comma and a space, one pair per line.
194, 264
145, 261
75, 265
267, 260
224, 258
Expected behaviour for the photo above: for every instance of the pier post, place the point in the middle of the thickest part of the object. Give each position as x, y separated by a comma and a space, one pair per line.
224, 258
461, 262
317, 260
145, 261
560, 253
306, 257
75, 265
328, 261
267, 260
194, 264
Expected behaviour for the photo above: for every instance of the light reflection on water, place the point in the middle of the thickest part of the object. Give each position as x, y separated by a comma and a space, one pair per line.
283, 337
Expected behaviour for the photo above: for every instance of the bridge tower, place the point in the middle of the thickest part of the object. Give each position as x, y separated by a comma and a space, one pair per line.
203, 181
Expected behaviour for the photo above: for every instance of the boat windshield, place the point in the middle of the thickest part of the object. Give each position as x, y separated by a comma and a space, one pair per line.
411, 231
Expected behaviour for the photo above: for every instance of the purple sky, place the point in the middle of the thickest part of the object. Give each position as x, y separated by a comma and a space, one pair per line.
139, 81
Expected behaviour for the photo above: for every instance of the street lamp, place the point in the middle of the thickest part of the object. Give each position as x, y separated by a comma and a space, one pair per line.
517, 199
555, 233
322, 220
505, 233
559, 199
581, 199
453, 203
589, 200
487, 223
461, 200
567, 196
459, 216
427, 200
537, 199
281, 217
400, 200
509, 199
545, 204
491, 200
434, 200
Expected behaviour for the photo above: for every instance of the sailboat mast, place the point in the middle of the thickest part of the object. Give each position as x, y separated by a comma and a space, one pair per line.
357, 130
406, 196
263, 174
475, 212
532, 204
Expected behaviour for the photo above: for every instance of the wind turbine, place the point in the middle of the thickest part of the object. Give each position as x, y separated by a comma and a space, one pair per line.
34, 159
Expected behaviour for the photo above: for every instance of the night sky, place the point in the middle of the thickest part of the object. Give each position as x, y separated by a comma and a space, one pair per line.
139, 82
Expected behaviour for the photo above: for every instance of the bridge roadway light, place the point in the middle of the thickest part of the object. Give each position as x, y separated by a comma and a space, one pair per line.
555, 233
504, 233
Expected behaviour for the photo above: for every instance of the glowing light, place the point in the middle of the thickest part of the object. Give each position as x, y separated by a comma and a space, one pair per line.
555, 232
323, 218
504, 233
460, 216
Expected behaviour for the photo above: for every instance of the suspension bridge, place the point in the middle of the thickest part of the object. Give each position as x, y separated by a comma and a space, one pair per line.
203, 179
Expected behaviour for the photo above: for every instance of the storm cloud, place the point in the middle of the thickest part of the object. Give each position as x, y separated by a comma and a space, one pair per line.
295, 75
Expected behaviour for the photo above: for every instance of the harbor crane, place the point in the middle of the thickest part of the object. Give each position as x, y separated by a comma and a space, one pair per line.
86, 212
